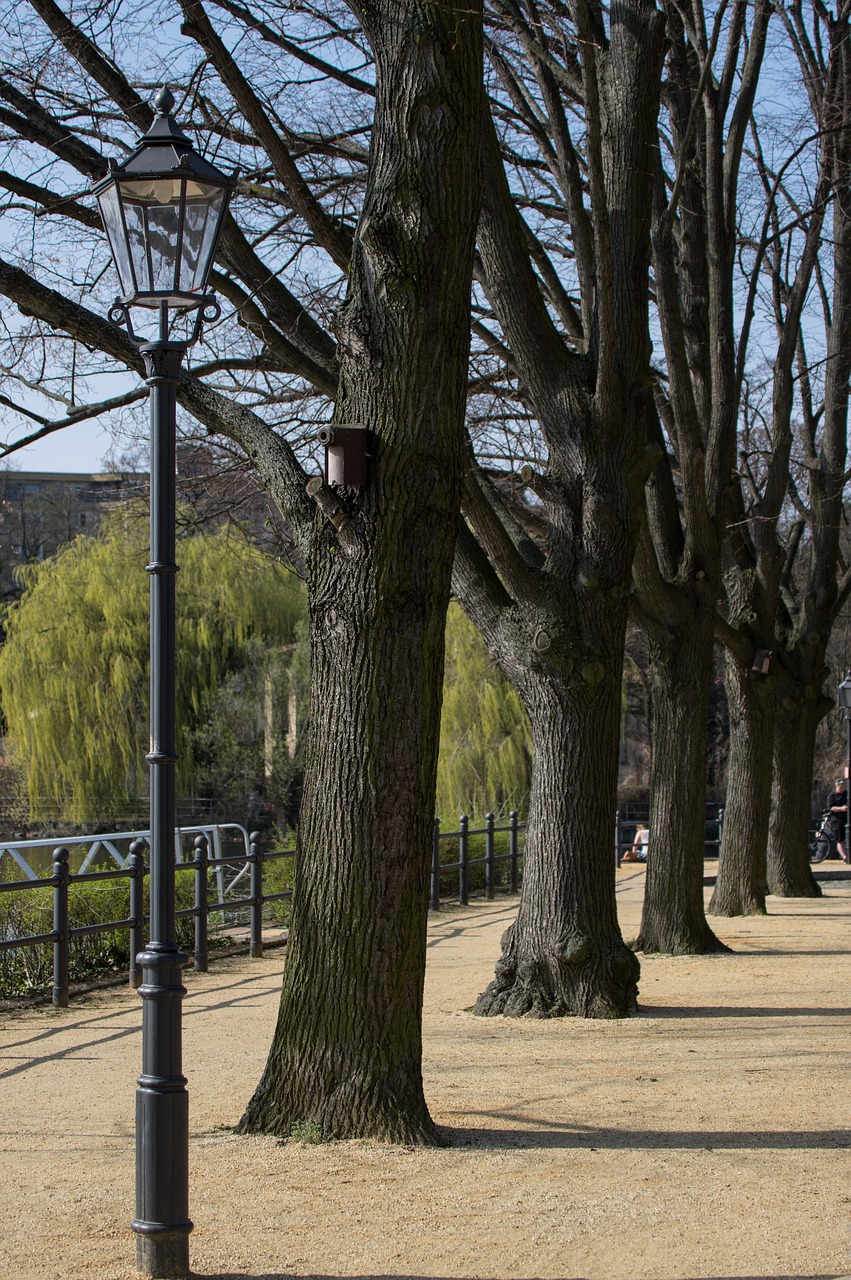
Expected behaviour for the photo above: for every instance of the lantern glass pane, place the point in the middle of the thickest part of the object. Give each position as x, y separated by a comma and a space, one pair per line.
110, 212
160, 191
163, 224
845, 695
199, 236
134, 218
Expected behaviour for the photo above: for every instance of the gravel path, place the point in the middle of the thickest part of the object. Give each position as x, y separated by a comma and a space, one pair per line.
706, 1138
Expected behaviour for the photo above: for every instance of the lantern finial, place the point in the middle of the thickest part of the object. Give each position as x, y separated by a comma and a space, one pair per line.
164, 101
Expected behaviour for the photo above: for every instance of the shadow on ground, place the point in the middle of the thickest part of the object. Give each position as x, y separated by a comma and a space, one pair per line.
97, 1026
587, 1138
284, 1275
739, 1011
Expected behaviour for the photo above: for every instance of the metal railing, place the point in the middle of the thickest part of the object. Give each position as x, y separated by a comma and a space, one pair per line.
248, 866
488, 860
134, 868
88, 850
625, 829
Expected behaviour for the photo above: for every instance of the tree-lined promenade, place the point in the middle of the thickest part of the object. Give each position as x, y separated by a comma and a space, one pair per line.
648, 1148
586, 287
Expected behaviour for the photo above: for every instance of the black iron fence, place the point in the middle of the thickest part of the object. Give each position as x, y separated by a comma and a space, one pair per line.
464, 861
135, 870
492, 858
626, 827
481, 858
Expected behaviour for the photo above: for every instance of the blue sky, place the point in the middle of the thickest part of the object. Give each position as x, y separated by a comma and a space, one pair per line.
78, 448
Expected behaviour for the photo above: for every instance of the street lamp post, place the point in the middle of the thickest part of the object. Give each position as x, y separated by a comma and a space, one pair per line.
163, 210
844, 693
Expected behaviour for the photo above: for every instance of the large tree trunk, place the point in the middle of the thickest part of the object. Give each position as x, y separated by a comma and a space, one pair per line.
347, 1048
797, 719
564, 954
554, 615
673, 919
741, 885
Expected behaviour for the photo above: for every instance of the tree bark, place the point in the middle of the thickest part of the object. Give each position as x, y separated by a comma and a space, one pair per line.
347, 1048
741, 885
796, 720
673, 918
564, 954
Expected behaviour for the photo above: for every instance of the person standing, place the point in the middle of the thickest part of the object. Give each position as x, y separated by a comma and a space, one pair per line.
837, 803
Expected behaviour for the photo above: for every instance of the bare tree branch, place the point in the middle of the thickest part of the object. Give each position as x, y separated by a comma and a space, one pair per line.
331, 238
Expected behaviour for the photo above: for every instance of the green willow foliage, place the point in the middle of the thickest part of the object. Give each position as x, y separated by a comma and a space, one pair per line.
485, 746
74, 668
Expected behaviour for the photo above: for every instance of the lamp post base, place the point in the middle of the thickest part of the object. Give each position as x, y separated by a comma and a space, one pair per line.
162, 1224
163, 1257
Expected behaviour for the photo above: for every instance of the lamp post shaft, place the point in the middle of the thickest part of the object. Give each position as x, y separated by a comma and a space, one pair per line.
162, 1222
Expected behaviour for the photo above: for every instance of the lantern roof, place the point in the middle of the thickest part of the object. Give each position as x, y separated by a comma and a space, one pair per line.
164, 149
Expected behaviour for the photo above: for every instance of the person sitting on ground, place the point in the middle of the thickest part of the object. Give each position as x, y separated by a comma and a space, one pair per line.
638, 852
837, 803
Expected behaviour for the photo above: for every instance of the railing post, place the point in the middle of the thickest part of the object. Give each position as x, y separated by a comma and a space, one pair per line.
513, 848
617, 837
62, 945
435, 867
489, 825
202, 858
136, 862
463, 854
720, 826
255, 857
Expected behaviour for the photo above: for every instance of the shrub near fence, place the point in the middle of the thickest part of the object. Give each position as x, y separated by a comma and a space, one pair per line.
29, 912
81, 946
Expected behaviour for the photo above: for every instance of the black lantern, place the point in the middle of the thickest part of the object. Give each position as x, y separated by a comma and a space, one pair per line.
163, 211
844, 692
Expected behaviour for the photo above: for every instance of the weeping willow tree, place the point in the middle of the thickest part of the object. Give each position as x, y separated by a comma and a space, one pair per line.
74, 668
485, 746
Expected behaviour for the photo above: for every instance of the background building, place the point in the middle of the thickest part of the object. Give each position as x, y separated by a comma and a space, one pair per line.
40, 511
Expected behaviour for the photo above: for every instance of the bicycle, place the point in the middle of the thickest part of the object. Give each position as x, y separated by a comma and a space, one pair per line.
827, 838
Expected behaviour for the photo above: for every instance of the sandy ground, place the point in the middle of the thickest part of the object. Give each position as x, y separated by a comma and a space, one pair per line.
707, 1137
